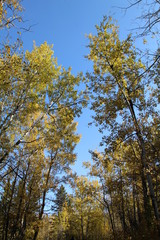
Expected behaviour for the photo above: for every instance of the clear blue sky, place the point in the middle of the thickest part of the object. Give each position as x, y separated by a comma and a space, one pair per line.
64, 23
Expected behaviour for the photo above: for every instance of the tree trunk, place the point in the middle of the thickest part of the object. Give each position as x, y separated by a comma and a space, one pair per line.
110, 217
44, 195
145, 166
143, 155
122, 201
143, 151
15, 226
9, 206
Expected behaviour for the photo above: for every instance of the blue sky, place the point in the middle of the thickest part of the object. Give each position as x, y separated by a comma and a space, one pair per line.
65, 23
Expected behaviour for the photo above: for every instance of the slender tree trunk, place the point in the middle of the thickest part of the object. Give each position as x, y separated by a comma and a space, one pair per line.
82, 228
5, 210
9, 206
134, 200
145, 167
17, 220
106, 205
143, 151
110, 217
122, 205
112, 211
44, 195
138, 210
22, 232
87, 227
146, 203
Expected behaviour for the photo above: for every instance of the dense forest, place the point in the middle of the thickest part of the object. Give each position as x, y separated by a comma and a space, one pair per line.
39, 101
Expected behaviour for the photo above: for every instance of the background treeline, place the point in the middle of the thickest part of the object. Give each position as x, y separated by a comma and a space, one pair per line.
39, 101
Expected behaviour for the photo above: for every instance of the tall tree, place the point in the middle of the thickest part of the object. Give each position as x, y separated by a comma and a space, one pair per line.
61, 197
118, 87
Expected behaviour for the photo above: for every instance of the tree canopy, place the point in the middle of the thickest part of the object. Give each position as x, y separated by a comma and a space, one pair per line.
39, 101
